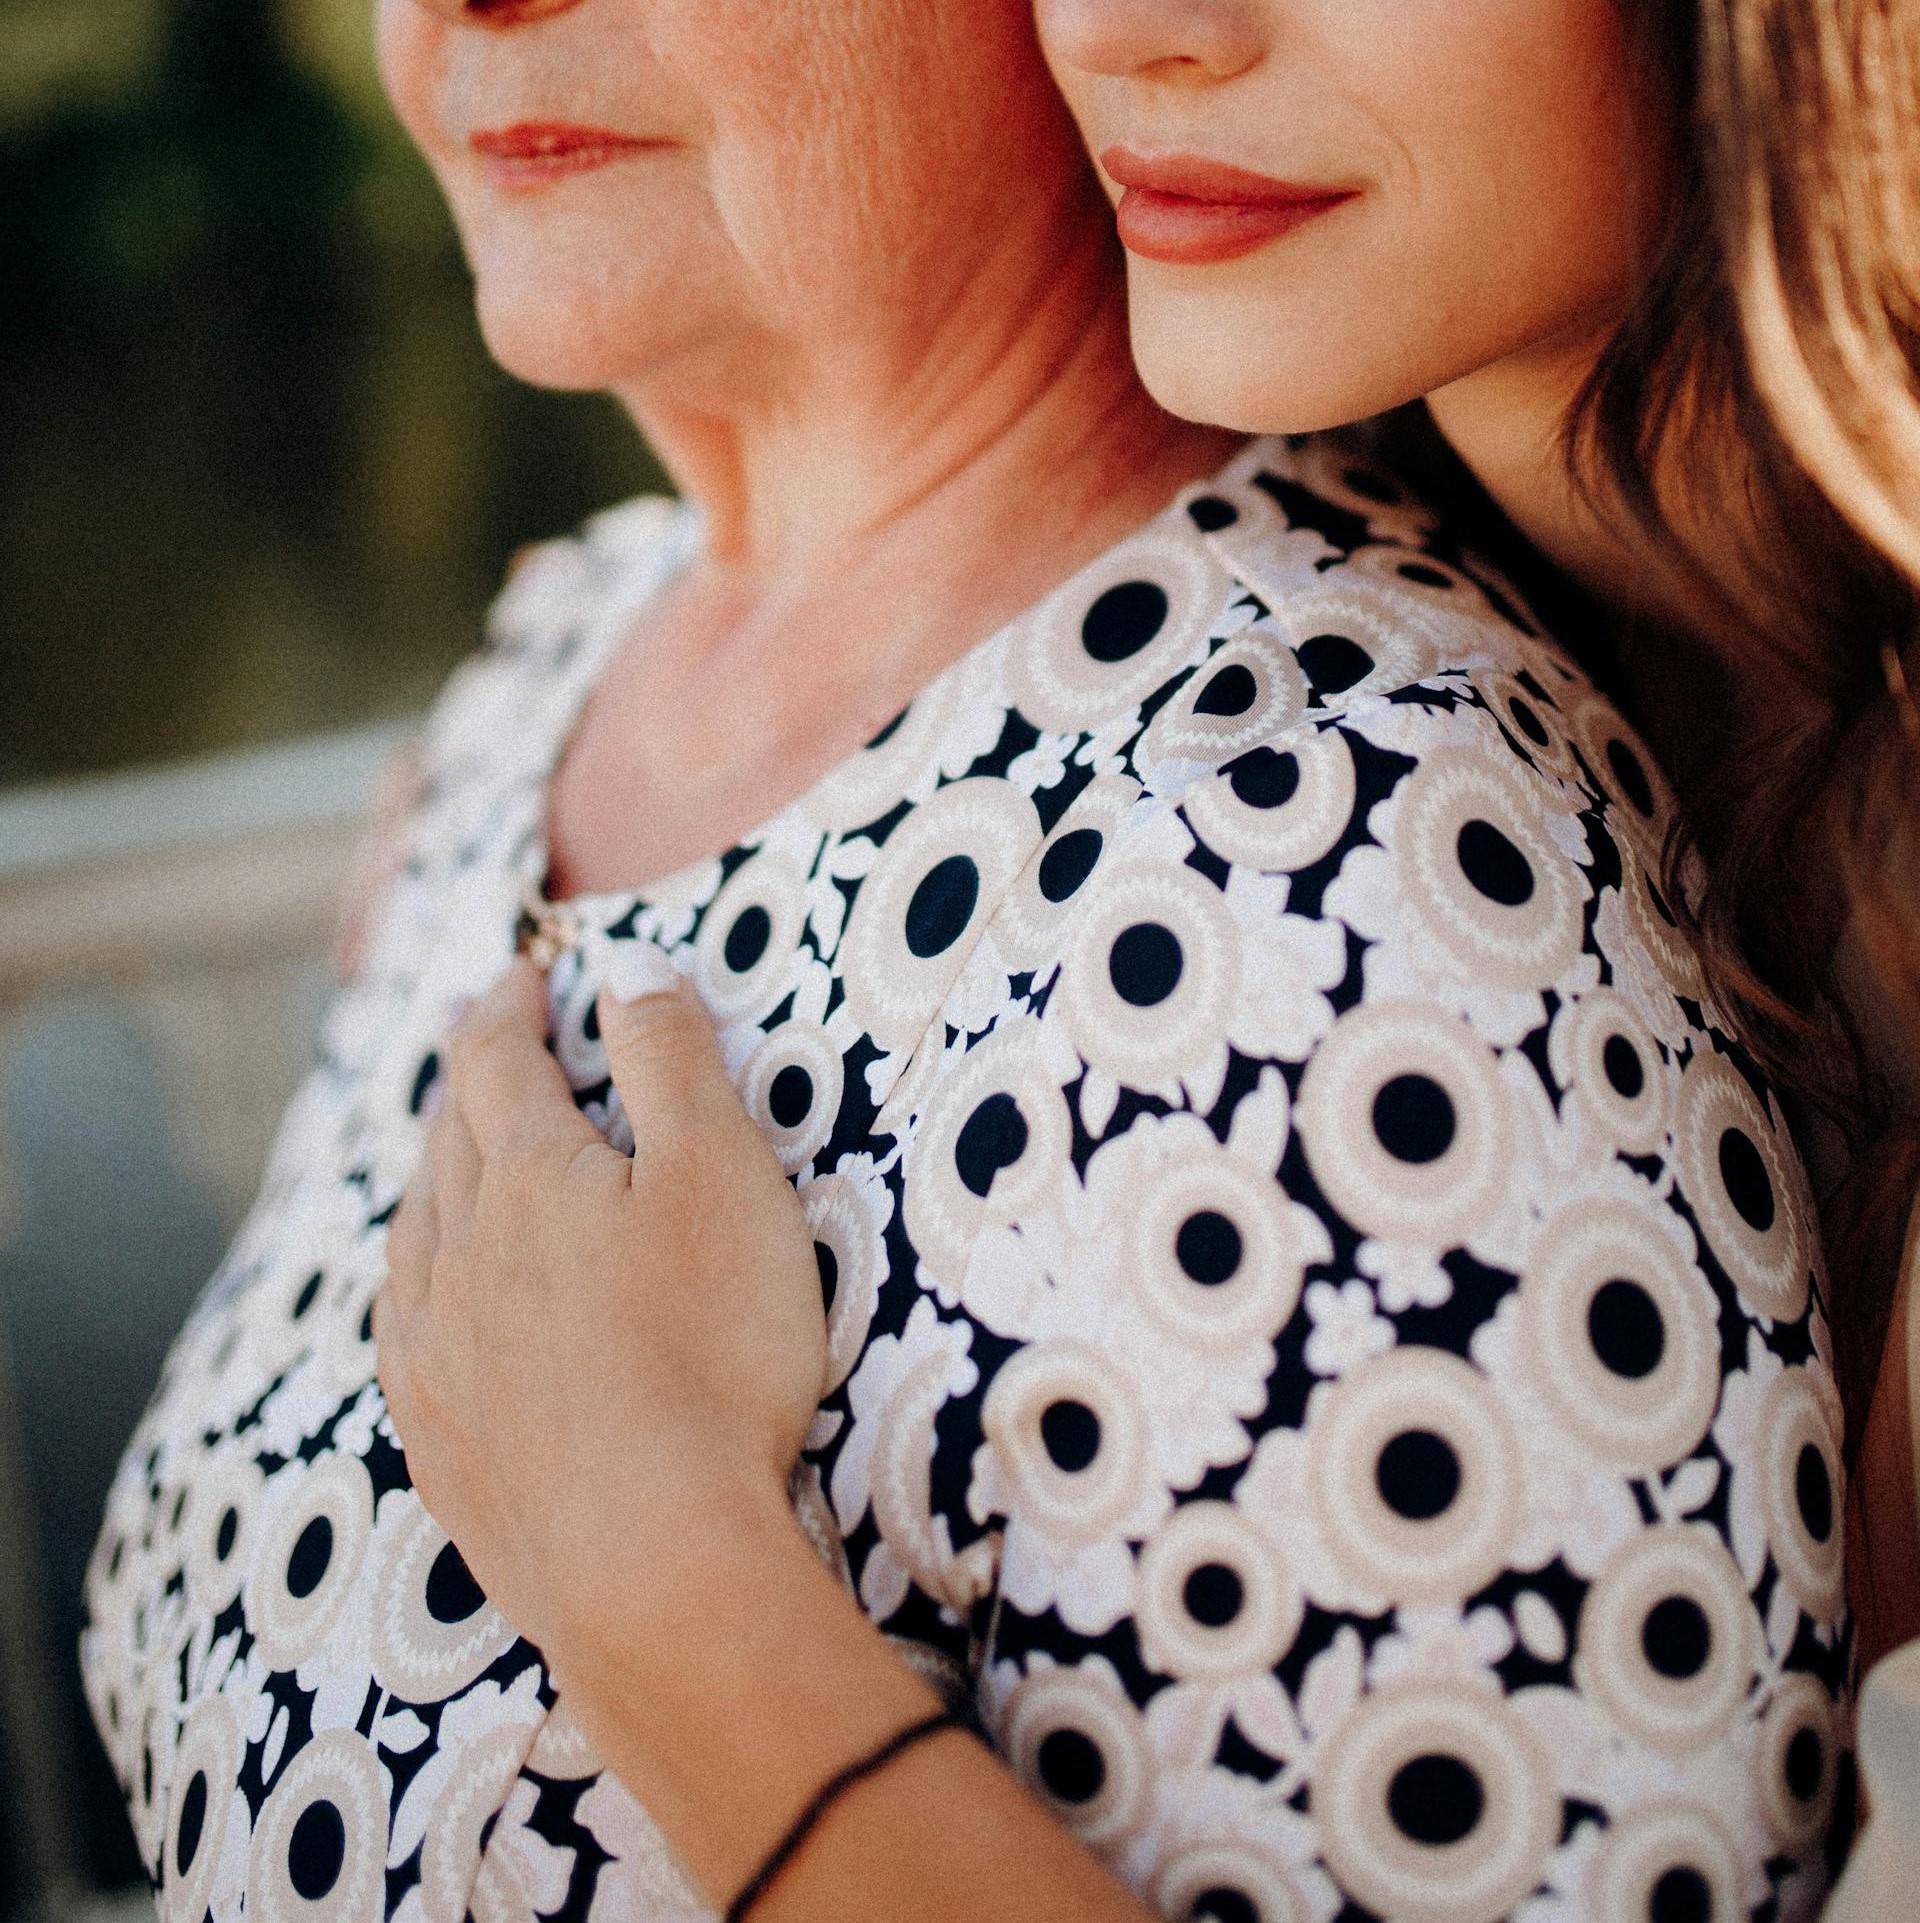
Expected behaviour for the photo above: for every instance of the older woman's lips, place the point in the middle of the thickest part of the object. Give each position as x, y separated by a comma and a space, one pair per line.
1192, 212
535, 153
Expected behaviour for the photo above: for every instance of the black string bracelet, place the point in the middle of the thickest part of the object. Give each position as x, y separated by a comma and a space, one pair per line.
830, 1793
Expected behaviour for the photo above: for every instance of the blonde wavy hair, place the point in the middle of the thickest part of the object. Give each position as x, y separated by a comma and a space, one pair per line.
1766, 389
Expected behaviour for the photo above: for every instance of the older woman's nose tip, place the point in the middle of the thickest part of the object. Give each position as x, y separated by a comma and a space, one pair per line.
496, 14
1162, 39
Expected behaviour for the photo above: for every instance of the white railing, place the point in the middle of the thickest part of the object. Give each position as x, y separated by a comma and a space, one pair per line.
191, 909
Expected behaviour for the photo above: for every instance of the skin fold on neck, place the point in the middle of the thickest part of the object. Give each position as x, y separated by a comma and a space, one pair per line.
874, 503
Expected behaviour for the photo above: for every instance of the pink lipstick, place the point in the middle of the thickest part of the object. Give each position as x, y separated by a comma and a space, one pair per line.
535, 153
1190, 212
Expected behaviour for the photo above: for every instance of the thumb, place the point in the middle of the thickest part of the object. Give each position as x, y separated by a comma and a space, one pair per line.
661, 1050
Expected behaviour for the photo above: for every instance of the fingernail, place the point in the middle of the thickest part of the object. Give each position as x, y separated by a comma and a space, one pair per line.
431, 1100
457, 1012
636, 969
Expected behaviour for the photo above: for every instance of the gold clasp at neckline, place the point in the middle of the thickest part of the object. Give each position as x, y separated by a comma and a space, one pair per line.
544, 931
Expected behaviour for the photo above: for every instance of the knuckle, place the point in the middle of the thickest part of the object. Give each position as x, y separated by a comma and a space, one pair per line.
540, 1146
596, 1169
675, 1163
518, 1141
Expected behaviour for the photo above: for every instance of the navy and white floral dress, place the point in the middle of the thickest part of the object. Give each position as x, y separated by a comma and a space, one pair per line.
1325, 1347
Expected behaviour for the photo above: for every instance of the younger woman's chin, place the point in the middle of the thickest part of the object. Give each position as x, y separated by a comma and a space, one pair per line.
1255, 378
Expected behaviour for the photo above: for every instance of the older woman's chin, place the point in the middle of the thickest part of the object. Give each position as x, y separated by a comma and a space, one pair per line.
541, 357
546, 330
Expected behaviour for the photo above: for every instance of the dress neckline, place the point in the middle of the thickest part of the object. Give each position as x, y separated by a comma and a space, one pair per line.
549, 924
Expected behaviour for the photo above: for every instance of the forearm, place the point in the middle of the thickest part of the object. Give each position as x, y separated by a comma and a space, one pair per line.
743, 1682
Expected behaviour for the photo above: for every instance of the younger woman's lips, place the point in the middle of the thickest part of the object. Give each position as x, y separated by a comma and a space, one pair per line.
1191, 212
535, 153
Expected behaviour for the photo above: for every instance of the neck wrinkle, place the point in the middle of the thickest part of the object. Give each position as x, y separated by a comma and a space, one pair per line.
1015, 413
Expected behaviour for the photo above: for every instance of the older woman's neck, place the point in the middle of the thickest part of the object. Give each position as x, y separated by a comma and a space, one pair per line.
874, 507
1012, 417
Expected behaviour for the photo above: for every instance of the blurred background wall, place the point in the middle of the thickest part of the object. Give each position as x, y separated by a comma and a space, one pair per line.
258, 481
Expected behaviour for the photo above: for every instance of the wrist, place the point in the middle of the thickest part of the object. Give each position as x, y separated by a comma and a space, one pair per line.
650, 1558
736, 1676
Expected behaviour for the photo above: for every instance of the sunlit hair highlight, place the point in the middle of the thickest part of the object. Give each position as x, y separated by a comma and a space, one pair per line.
1766, 388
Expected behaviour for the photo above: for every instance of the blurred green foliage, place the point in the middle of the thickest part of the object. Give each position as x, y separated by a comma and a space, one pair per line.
257, 474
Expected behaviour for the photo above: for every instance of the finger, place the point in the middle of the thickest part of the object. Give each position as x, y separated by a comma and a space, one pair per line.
453, 1160
505, 1084
390, 1360
412, 1237
663, 1056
